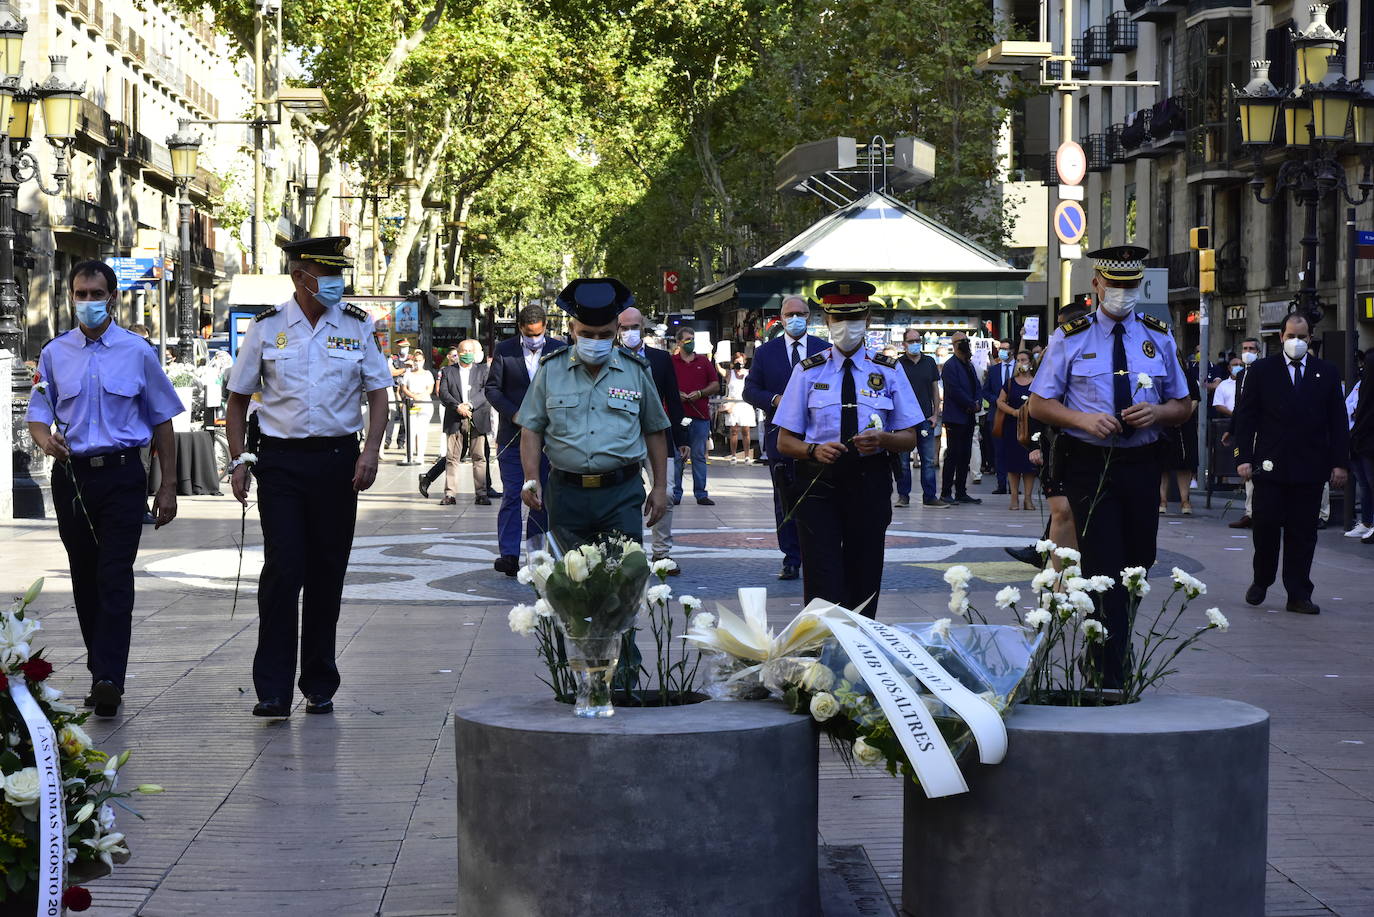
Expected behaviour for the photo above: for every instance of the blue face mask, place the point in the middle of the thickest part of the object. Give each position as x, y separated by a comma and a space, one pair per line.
1002, 354
595, 352
93, 314
795, 325
329, 290
914, 348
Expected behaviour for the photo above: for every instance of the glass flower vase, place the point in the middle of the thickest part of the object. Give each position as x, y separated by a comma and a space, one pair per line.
593, 661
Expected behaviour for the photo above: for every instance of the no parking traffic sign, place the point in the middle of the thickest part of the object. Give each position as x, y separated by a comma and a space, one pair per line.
1070, 222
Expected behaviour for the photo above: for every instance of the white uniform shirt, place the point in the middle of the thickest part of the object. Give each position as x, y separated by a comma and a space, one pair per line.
1225, 394
312, 380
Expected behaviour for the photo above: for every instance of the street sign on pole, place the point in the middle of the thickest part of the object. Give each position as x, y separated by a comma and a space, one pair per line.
1070, 163
671, 279
1070, 222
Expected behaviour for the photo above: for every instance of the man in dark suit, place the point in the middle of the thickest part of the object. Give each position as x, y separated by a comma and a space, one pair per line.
1291, 437
1000, 368
960, 414
763, 388
467, 423
514, 365
631, 337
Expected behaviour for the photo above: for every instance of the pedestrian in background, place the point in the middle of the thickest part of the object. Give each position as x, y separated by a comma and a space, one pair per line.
697, 381
1292, 438
106, 394
999, 371
1250, 352
739, 413
960, 414
314, 359
1178, 461
1362, 450
1011, 403
924, 375
418, 383
774, 363
467, 423
397, 419
514, 364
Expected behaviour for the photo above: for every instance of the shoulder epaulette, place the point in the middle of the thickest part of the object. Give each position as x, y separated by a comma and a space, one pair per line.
552, 353
355, 311
1077, 325
642, 361
816, 359
266, 313
1152, 322
883, 359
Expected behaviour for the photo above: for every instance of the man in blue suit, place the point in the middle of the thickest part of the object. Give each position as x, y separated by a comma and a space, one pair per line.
514, 364
961, 399
1000, 369
763, 388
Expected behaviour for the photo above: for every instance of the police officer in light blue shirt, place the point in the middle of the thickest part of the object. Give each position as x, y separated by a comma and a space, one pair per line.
1112, 381
843, 414
104, 390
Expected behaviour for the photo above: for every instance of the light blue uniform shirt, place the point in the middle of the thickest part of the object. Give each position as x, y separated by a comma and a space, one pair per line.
1076, 370
104, 395
810, 405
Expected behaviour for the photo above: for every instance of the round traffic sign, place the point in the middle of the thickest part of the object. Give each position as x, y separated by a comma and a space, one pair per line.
1070, 163
1070, 222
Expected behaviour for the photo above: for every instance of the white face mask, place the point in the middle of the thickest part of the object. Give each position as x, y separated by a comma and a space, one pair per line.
1249, 357
848, 335
1118, 302
631, 338
1295, 348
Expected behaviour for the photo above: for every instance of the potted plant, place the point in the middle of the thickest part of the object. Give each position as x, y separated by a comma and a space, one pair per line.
184, 380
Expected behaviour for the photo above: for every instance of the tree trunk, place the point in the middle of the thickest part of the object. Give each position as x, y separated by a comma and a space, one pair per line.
415, 212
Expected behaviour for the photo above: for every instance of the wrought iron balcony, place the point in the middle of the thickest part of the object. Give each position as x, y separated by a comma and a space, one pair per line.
1158, 11
1123, 34
1048, 170
1095, 149
1116, 151
1097, 48
78, 216
1182, 268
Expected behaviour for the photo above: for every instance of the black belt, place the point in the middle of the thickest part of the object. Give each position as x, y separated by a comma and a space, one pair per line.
850, 461
604, 479
308, 443
109, 459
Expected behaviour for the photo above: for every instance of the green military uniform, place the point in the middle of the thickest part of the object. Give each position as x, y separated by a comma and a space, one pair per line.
594, 422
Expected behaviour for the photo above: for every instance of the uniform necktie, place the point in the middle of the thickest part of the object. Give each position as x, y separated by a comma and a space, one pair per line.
1121, 378
849, 403
1297, 373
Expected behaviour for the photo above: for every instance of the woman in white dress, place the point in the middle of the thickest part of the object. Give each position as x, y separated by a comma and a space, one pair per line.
418, 383
739, 413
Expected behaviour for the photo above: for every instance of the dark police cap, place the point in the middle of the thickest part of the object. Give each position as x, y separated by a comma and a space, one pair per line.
845, 297
1120, 262
595, 300
327, 250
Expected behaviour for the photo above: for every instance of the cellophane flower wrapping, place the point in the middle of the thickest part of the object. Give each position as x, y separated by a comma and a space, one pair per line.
596, 590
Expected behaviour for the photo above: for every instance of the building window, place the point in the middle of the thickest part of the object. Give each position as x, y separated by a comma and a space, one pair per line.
1278, 242
1164, 244
1278, 47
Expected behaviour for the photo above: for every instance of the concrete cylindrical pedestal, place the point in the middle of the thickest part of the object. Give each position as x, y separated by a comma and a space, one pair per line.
694, 811
1157, 807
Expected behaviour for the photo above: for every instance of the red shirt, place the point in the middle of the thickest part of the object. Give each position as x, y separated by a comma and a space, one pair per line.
693, 377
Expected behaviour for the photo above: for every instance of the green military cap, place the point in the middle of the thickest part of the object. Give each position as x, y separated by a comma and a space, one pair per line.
327, 250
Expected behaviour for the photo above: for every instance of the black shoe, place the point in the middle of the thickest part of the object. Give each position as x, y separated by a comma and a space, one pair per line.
965, 498
1242, 523
788, 572
1321, 524
424, 486
149, 519
1001, 491
1368, 539
705, 501
494, 494
903, 501
448, 501
1027, 555
272, 708
105, 698
318, 703
1255, 594
933, 501
482, 501
507, 564
677, 501
1302, 607
948, 500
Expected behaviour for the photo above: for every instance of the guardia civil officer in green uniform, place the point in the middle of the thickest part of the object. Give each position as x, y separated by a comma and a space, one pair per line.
843, 415
594, 410
1111, 382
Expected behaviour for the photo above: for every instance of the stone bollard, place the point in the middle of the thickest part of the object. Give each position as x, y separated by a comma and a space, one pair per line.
707, 810
1154, 808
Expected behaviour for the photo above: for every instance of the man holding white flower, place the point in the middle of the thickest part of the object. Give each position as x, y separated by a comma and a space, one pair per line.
1111, 382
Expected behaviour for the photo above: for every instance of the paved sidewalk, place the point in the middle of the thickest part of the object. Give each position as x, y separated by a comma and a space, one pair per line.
354, 814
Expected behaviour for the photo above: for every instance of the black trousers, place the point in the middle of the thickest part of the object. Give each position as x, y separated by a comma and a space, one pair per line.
1114, 494
842, 513
958, 454
782, 474
102, 561
308, 507
1285, 515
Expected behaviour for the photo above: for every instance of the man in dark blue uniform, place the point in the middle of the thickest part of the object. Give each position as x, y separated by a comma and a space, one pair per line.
314, 359
768, 376
844, 413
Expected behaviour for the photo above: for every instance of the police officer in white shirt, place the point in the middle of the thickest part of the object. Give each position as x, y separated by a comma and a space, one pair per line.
313, 359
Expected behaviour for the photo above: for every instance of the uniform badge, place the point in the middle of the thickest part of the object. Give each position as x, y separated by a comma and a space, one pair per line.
822, 386
281, 339
1149, 348
875, 381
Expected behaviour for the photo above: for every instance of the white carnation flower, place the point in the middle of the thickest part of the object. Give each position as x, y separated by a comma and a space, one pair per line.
1218, 620
958, 602
1068, 554
525, 576
941, 628
1133, 578
538, 558
1144, 380
1093, 630
1044, 580
1077, 583
659, 595
1101, 583
1192, 587
1038, 618
1007, 597
869, 755
703, 621
1081, 601
1267, 465
543, 608
690, 603
522, 619
663, 566
824, 706
958, 576
1045, 546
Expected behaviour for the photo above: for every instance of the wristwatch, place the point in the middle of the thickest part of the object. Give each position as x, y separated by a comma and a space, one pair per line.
811, 450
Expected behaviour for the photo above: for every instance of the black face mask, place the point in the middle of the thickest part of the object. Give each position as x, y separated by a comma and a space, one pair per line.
739, 366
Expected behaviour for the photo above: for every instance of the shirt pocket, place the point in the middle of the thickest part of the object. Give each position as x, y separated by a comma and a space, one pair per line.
820, 405
624, 415
120, 400
344, 366
874, 404
563, 411
283, 365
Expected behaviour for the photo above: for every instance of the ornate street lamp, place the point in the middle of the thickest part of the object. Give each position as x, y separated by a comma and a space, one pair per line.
1259, 103
185, 147
1332, 100
1314, 44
